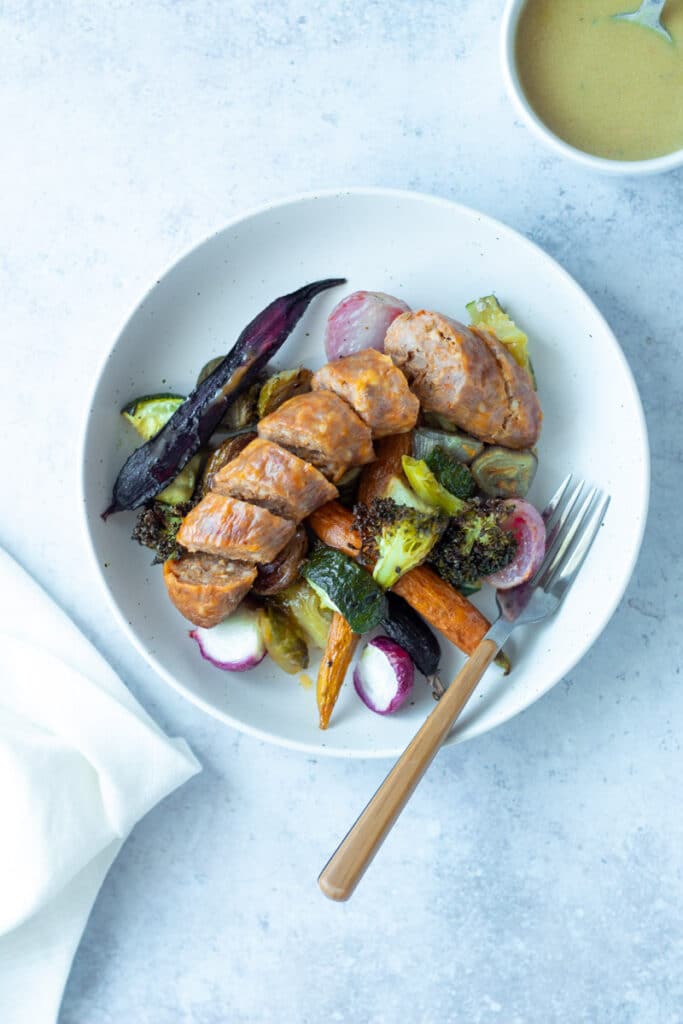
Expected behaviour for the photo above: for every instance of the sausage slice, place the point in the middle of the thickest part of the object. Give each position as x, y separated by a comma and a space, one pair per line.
522, 425
234, 530
206, 589
466, 376
374, 387
267, 474
321, 429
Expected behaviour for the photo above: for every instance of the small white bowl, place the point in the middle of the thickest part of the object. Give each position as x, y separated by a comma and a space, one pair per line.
655, 165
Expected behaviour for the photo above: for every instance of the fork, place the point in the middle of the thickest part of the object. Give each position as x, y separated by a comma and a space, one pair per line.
572, 523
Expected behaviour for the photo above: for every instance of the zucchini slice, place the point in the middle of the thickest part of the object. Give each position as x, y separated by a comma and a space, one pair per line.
147, 415
345, 587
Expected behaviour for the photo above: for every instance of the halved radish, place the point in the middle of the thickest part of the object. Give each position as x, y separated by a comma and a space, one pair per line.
360, 321
384, 675
235, 644
526, 524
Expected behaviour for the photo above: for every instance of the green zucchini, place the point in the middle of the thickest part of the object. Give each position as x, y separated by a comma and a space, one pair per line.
345, 587
149, 413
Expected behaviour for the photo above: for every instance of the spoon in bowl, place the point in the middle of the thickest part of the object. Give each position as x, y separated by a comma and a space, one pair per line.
647, 15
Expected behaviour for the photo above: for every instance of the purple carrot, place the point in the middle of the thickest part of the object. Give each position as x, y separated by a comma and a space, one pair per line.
152, 466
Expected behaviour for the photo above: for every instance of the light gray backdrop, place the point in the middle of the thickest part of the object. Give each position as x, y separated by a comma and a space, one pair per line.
536, 876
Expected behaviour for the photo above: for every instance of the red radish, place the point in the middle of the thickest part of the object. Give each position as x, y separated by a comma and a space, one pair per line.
360, 321
526, 523
235, 644
384, 675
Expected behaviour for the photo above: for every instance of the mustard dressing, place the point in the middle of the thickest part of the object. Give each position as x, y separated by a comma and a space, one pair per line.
610, 88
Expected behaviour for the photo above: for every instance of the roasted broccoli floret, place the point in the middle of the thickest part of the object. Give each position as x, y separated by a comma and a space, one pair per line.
450, 473
156, 528
474, 544
395, 537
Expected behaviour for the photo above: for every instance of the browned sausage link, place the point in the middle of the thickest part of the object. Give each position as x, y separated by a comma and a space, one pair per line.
322, 429
462, 374
267, 474
374, 387
234, 530
205, 589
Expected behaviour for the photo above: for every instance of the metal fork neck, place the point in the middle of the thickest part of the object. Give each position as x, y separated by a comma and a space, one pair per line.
499, 631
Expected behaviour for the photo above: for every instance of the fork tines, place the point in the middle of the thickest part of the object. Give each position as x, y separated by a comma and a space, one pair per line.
569, 535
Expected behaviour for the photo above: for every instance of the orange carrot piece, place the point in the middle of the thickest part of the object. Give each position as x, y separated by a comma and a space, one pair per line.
376, 475
341, 644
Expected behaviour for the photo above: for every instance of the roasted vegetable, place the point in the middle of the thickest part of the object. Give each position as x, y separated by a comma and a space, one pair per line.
236, 644
475, 544
528, 528
409, 629
152, 466
182, 487
398, 490
284, 569
345, 587
348, 486
395, 537
487, 311
303, 604
339, 649
504, 472
332, 523
437, 601
428, 488
148, 415
156, 528
384, 675
242, 412
280, 387
450, 473
376, 476
208, 368
284, 640
360, 321
461, 446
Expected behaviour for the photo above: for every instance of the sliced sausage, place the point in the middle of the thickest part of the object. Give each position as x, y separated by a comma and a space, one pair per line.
374, 387
267, 474
225, 453
206, 589
322, 429
456, 371
522, 425
234, 530
278, 574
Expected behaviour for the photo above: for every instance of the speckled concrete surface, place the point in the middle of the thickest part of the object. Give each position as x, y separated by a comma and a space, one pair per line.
537, 875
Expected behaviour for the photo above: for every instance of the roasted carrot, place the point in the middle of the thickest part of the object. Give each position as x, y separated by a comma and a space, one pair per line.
334, 525
443, 607
437, 601
376, 475
341, 643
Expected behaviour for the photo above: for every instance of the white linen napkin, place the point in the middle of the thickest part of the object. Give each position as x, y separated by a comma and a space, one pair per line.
80, 764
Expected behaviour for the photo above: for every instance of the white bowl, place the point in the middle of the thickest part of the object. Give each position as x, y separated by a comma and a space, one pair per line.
655, 165
431, 253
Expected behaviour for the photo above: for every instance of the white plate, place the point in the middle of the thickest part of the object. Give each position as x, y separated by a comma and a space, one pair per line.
433, 254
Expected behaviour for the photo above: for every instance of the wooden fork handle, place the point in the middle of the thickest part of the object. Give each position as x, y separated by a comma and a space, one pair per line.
348, 863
